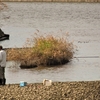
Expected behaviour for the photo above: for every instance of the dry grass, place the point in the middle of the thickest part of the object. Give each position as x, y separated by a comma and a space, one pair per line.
43, 50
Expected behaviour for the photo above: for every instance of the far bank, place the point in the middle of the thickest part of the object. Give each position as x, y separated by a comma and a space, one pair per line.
51, 1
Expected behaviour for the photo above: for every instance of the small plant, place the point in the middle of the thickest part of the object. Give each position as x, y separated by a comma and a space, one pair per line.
43, 50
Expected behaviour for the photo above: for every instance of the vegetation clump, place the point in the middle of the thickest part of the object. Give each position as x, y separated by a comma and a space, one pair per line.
43, 50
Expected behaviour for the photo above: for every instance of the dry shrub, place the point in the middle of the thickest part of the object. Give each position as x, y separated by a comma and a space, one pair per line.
44, 50
52, 51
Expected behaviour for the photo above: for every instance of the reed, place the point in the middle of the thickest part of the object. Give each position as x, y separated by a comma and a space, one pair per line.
43, 50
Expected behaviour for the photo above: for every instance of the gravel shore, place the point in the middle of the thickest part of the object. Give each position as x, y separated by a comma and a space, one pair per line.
84, 90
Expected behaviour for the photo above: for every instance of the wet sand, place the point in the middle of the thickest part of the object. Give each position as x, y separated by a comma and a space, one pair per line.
83, 90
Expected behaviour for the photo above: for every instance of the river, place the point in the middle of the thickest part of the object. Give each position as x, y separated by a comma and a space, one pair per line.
21, 20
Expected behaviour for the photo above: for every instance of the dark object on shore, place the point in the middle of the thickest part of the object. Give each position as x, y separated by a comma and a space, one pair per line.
3, 36
2, 81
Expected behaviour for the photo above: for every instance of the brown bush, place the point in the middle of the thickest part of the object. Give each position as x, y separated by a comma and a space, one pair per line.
44, 50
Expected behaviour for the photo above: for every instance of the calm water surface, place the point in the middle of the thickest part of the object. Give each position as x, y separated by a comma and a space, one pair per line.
81, 20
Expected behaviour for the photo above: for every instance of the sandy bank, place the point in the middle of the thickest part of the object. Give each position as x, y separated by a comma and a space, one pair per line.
89, 90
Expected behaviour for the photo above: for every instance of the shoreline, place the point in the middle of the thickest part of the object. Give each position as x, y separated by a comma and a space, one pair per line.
68, 1
77, 90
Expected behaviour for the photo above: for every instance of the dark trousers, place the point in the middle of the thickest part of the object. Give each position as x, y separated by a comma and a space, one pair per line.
2, 76
2, 72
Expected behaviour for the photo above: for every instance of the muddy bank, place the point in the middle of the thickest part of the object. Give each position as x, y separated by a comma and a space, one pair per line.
85, 90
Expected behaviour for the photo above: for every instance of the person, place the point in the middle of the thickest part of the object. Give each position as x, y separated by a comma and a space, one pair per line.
2, 65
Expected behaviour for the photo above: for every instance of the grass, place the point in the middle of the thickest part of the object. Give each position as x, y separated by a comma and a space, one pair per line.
43, 50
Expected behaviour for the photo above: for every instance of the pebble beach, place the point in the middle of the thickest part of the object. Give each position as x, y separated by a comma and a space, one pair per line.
82, 90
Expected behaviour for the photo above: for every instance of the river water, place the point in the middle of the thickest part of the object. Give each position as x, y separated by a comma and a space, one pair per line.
21, 20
